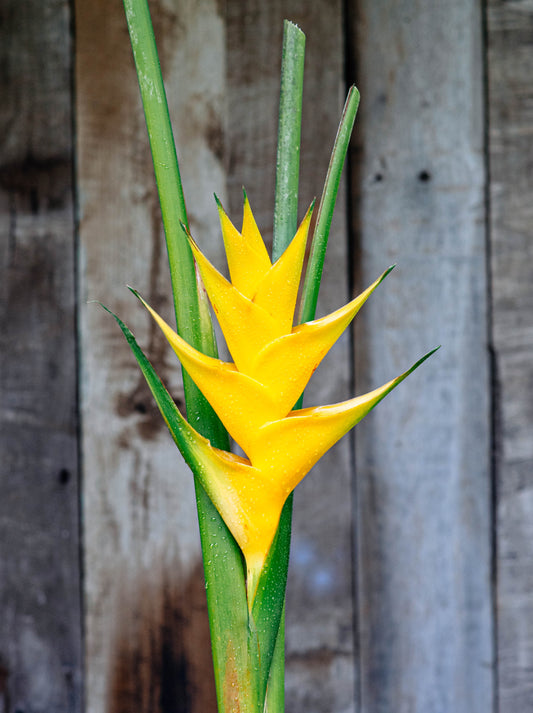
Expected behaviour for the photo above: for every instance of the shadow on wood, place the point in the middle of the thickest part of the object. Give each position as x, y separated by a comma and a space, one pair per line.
162, 653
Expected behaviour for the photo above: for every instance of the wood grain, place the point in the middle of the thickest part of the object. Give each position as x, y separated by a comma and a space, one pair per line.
40, 622
147, 642
510, 32
321, 668
422, 458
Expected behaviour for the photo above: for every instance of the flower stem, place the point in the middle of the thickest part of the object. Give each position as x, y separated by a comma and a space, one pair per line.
275, 699
285, 224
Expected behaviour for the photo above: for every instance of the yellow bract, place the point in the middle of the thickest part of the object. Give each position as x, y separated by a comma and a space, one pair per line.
253, 397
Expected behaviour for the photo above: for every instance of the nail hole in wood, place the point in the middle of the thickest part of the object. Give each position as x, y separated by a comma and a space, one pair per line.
64, 476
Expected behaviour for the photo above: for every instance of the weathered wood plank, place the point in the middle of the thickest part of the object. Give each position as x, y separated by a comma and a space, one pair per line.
146, 623
422, 457
320, 653
40, 622
510, 64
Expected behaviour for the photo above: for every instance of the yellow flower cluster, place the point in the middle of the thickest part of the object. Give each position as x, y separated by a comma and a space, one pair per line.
254, 396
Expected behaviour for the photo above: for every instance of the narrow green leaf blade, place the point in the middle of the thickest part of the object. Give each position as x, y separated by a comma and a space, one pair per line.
192, 315
165, 160
319, 241
275, 698
267, 609
289, 130
235, 649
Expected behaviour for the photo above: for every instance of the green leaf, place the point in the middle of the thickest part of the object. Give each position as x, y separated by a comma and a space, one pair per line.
190, 304
234, 641
285, 225
319, 241
289, 130
268, 606
275, 698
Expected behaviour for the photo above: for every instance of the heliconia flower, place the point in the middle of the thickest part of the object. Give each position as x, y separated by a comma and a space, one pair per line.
254, 395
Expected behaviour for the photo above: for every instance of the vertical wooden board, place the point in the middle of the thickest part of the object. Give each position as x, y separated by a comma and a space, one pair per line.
147, 640
510, 30
320, 654
40, 622
422, 458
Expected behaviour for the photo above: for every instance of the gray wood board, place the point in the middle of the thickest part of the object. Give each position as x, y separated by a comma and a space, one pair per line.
510, 66
40, 623
422, 458
147, 638
321, 669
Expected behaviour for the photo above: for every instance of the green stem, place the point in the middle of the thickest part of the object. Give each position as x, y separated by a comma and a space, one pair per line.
268, 606
224, 571
275, 699
285, 224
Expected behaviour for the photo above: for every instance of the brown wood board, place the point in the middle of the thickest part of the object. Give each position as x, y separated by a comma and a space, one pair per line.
147, 639
40, 622
510, 64
423, 457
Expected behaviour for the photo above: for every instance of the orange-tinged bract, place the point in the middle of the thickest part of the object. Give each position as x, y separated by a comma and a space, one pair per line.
254, 396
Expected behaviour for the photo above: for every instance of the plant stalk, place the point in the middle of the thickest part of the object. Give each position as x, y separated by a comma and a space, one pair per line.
285, 224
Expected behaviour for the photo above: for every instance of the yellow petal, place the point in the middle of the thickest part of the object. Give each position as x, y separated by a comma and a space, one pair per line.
278, 290
251, 234
247, 327
251, 496
287, 449
285, 365
242, 404
249, 505
247, 256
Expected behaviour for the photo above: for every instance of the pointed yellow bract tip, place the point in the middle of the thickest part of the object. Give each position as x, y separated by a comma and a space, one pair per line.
248, 260
273, 361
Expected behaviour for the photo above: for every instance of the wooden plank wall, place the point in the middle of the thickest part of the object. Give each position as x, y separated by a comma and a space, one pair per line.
435, 611
423, 458
510, 33
147, 640
40, 621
